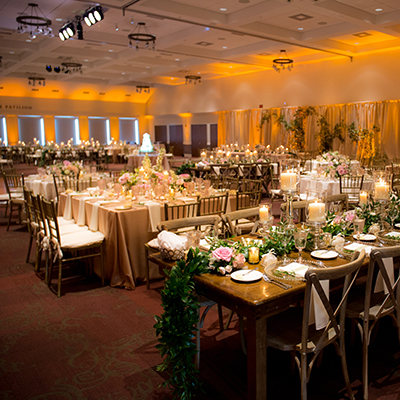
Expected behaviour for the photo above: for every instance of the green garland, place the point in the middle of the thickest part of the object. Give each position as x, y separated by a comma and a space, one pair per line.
175, 327
185, 168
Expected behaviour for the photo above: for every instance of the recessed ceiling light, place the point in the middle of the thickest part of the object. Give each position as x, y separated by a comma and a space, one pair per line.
357, 43
378, 9
224, 47
11, 52
110, 51
59, 19
222, 9
147, 67
300, 29
28, 40
123, 73
176, 59
86, 60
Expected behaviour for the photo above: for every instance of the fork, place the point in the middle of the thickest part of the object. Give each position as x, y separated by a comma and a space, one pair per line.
278, 283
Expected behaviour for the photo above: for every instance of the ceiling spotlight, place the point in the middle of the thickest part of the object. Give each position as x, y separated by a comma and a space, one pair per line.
57, 70
67, 31
48, 68
93, 15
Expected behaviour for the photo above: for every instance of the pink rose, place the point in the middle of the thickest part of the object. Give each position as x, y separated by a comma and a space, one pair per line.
184, 176
123, 178
337, 220
349, 216
179, 181
223, 254
66, 163
239, 260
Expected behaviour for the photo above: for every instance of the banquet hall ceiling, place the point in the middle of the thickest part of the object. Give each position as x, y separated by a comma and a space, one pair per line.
212, 38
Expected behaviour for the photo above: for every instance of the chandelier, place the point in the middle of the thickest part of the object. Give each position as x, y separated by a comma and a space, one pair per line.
142, 35
68, 66
33, 23
192, 79
282, 62
144, 88
32, 80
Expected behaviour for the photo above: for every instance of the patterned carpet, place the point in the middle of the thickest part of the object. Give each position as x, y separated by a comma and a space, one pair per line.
98, 343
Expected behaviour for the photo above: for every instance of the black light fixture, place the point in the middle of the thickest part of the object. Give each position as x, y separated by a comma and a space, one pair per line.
79, 29
67, 31
142, 88
32, 23
57, 70
141, 34
48, 68
93, 15
68, 66
192, 79
283, 62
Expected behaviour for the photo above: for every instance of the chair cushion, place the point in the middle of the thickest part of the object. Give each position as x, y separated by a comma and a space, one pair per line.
81, 239
4, 197
63, 221
71, 229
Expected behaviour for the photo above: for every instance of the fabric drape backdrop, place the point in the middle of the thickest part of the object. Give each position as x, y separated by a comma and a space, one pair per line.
241, 126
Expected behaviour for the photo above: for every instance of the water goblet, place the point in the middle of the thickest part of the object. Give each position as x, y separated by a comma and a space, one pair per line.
284, 236
392, 212
358, 224
300, 241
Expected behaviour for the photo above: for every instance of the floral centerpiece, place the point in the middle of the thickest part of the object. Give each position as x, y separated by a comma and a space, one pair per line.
339, 223
68, 168
129, 179
225, 259
335, 162
178, 182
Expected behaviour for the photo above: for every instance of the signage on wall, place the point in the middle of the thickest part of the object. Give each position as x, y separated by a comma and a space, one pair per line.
14, 107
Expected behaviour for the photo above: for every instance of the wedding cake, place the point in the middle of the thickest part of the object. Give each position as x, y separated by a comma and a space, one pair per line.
146, 144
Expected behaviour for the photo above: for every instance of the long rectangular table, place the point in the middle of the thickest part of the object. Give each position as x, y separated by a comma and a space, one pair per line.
257, 302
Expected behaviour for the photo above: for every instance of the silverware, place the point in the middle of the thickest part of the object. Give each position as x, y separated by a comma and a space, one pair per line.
248, 272
278, 283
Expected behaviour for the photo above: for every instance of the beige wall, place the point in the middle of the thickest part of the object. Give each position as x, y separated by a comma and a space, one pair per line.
368, 78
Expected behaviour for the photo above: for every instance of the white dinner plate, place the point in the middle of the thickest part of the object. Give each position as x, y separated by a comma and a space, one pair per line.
365, 238
246, 277
324, 255
123, 208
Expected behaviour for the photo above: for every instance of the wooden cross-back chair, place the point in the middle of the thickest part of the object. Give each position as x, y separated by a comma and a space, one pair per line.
30, 220
70, 247
41, 232
248, 199
15, 190
247, 170
291, 330
366, 307
175, 211
263, 173
245, 220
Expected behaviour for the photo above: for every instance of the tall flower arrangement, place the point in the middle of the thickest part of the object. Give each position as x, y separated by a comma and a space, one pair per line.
335, 162
68, 168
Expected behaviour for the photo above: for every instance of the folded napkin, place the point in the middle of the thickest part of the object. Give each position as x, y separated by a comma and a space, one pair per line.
171, 241
358, 247
68, 206
204, 244
94, 219
380, 284
81, 214
318, 314
154, 214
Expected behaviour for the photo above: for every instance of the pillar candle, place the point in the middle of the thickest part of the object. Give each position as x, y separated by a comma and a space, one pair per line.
264, 213
316, 212
381, 191
288, 180
363, 198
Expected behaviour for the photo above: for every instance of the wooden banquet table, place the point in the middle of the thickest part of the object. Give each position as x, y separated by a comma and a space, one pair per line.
257, 302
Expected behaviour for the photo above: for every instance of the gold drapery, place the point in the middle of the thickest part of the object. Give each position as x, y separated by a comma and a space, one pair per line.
242, 126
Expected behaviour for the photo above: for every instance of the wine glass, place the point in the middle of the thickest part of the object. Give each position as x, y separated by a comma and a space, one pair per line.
300, 241
392, 212
284, 236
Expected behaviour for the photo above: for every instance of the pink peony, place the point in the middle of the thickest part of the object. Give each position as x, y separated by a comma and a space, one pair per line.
223, 254
123, 178
66, 163
337, 220
349, 216
179, 181
239, 260
184, 176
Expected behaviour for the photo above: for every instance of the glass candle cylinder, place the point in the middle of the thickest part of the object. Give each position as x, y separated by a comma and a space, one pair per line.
363, 198
382, 183
290, 175
264, 213
254, 255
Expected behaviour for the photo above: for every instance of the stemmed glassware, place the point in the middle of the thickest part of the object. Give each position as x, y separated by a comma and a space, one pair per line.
300, 241
392, 212
285, 237
358, 226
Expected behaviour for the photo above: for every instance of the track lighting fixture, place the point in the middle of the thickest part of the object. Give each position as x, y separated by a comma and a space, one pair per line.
93, 15
67, 31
